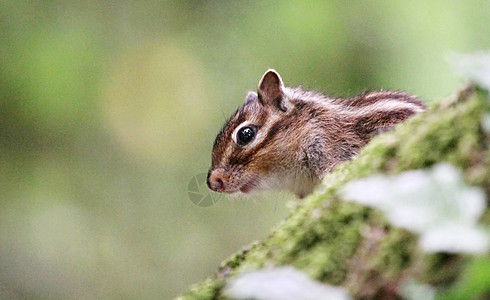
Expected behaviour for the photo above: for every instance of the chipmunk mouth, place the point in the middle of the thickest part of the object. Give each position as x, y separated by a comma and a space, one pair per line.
248, 187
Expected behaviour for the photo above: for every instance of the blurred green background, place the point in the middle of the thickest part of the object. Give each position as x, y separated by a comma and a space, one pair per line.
109, 108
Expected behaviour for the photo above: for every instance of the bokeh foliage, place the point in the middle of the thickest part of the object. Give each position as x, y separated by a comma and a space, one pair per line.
108, 108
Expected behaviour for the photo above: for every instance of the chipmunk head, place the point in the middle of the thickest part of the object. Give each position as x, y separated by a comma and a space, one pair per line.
289, 138
247, 151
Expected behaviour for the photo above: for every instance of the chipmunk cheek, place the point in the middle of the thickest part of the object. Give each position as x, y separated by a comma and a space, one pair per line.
247, 187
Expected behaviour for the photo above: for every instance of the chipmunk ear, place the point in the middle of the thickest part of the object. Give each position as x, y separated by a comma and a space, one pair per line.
270, 90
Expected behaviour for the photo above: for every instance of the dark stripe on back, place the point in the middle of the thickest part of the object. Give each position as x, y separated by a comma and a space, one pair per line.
370, 125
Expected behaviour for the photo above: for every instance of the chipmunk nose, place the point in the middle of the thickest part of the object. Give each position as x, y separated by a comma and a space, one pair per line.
215, 183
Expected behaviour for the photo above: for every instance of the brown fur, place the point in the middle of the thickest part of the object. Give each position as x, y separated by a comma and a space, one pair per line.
301, 135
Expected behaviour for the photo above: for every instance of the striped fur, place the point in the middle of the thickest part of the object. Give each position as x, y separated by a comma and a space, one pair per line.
301, 135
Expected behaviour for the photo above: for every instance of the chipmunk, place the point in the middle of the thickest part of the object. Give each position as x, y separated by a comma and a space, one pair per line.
289, 138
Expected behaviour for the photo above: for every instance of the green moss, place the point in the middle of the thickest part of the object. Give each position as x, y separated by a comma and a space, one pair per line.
396, 253
347, 244
473, 284
209, 289
441, 268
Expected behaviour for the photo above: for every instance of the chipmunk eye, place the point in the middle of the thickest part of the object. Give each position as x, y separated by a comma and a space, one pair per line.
245, 135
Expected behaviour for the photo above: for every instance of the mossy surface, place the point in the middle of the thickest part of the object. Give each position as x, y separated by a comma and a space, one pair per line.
344, 243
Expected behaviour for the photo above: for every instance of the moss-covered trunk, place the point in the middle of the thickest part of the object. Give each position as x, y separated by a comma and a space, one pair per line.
347, 244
